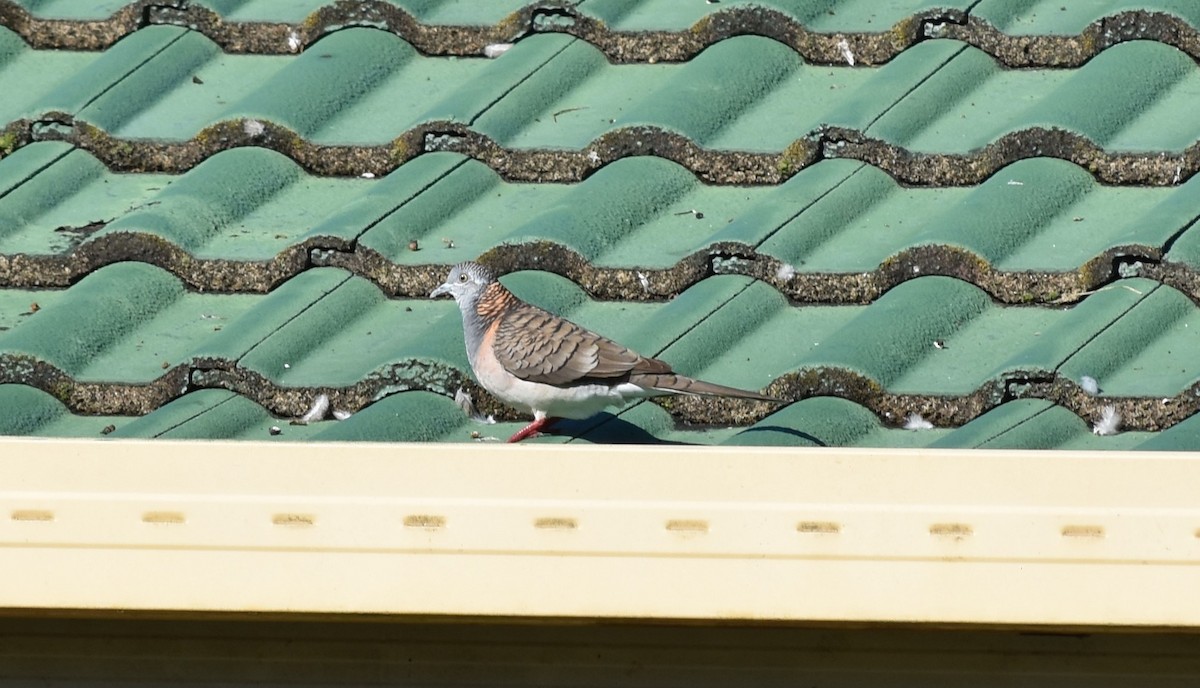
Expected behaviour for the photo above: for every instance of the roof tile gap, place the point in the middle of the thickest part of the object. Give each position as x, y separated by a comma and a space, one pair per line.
805, 207
972, 6
1170, 242
696, 324
295, 315
43, 168
916, 86
135, 68
371, 225
527, 77
1083, 345
1012, 427
194, 416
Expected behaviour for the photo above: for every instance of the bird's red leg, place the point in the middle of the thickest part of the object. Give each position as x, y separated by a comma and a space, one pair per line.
532, 430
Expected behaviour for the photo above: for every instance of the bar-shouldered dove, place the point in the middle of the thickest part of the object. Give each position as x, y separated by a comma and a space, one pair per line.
541, 363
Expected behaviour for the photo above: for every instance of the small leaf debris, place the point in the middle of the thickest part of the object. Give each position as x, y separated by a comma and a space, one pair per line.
564, 111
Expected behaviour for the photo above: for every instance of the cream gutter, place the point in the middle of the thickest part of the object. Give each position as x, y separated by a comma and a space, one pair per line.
1062, 539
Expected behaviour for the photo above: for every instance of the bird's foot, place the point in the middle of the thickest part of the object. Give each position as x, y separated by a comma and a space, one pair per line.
532, 430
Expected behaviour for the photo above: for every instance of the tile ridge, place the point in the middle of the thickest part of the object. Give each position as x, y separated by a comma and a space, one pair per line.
711, 166
622, 46
892, 409
257, 276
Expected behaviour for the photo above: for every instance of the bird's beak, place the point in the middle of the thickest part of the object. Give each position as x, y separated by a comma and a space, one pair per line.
443, 289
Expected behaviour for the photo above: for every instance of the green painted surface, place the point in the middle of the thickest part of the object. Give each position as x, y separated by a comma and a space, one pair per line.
380, 204
734, 95
119, 324
352, 87
709, 93
169, 104
355, 86
1041, 17
817, 422
734, 344
90, 92
1078, 325
885, 341
1149, 352
426, 417
206, 413
241, 331
836, 216
1016, 414
105, 311
29, 78
463, 206
1036, 424
778, 206
18, 307
53, 210
1184, 436
854, 226
411, 417
29, 411
26, 162
562, 70
334, 330
498, 96
242, 204
328, 328
1187, 249
969, 352
653, 226
971, 102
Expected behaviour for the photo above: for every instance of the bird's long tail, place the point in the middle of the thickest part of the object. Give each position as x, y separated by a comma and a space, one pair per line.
678, 384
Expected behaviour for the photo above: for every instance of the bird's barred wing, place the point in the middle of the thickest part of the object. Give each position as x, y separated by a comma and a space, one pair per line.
538, 346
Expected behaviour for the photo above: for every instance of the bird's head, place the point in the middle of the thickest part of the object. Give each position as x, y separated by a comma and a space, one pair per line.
465, 282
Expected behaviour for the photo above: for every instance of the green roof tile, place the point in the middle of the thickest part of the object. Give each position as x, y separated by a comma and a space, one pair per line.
30, 411
228, 209
1054, 17
1021, 34
31, 79
969, 102
1149, 351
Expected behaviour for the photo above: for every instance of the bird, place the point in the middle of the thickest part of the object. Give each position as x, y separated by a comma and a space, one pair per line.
541, 363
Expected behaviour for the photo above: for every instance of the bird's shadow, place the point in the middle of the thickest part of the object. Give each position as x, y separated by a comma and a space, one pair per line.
812, 439
606, 428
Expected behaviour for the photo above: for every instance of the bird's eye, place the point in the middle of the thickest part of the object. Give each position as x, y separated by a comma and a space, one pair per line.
462, 277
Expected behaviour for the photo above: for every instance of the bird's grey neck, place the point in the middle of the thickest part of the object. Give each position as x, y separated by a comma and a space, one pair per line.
473, 326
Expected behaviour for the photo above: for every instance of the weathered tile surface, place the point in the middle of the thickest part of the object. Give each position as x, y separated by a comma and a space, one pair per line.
212, 213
